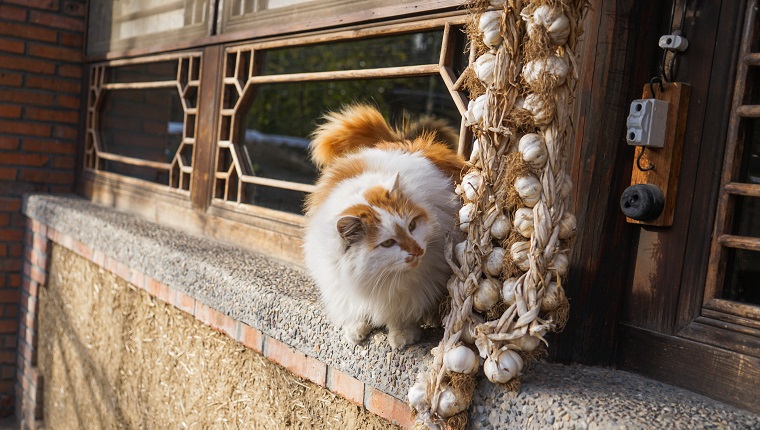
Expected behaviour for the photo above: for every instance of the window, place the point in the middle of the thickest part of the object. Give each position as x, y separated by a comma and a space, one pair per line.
274, 95
142, 118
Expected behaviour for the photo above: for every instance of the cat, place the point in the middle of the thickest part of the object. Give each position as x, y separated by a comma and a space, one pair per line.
377, 223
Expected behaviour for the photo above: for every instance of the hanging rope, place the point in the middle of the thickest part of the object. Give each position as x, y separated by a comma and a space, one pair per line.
506, 292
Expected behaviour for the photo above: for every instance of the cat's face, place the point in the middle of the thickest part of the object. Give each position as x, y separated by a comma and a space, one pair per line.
388, 234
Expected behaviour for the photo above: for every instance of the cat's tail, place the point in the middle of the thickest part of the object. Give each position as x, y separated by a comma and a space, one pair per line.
356, 126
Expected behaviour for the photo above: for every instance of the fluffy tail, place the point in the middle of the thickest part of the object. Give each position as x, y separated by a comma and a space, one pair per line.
355, 127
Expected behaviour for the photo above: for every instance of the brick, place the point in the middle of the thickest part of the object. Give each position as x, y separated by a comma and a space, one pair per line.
71, 39
10, 45
11, 235
65, 132
54, 146
10, 265
215, 319
51, 115
10, 79
10, 111
47, 177
296, 361
21, 127
18, 159
55, 20
37, 4
26, 97
74, 8
388, 407
31, 65
84, 250
38, 275
9, 143
345, 385
249, 337
64, 162
7, 174
12, 13
98, 258
157, 289
70, 71
9, 296
182, 301
8, 326
54, 52
68, 101
26, 31
53, 83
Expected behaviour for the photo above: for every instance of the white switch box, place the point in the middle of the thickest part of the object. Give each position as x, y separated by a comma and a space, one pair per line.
647, 123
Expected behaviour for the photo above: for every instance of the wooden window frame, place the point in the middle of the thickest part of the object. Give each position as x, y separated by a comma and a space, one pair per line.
279, 234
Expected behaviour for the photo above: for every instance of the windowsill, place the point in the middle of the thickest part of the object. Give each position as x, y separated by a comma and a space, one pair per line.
281, 302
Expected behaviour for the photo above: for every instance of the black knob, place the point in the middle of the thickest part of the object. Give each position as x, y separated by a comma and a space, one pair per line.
642, 202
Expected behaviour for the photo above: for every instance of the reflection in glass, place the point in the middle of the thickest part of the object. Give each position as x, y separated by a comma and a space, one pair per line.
388, 51
743, 273
145, 124
143, 72
750, 167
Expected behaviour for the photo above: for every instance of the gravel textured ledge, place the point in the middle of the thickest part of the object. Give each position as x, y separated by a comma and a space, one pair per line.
282, 302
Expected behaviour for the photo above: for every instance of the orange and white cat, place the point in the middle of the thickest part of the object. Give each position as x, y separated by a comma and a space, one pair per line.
377, 223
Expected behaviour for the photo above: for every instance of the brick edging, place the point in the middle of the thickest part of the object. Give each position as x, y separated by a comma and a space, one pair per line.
335, 380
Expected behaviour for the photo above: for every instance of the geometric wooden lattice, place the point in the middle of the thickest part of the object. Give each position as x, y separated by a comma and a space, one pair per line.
186, 82
241, 67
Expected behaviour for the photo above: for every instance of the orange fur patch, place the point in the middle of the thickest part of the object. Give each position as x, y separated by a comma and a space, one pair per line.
439, 154
355, 127
406, 242
342, 170
395, 203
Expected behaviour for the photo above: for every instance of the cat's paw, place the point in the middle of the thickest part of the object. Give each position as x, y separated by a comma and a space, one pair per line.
432, 319
357, 332
399, 338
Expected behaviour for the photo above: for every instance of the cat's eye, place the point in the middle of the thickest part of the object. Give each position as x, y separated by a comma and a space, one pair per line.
388, 243
412, 225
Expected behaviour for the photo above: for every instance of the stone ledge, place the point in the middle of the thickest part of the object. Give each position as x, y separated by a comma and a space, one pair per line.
274, 309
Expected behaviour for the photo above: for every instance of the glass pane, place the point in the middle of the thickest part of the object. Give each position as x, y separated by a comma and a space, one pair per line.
281, 117
145, 173
145, 124
274, 198
747, 217
146, 72
743, 277
388, 51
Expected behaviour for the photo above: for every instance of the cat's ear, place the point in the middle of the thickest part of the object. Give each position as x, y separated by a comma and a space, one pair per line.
394, 190
351, 229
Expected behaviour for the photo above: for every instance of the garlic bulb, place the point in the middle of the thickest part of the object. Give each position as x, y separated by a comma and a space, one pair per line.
505, 365
533, 150
542, 113
487, 295
552, 70
529, 189
556, 24
418, 391
523, 222
475, 110
449, 403
500, 227
560, 264
466, 214
468, 329
460, 251
471, 184
484, 68
567, 225
526, 343
490, 26
554, 296
520, 255
475, 153
494, 262
508, 294
497, 3
461, 359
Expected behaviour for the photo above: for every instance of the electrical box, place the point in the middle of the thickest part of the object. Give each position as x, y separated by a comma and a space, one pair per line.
647, 123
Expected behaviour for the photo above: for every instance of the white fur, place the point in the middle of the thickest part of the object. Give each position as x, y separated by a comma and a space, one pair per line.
362, 289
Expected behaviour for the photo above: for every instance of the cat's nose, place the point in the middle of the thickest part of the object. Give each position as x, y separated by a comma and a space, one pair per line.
417, 252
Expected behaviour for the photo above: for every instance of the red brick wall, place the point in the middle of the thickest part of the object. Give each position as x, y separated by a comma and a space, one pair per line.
41, 51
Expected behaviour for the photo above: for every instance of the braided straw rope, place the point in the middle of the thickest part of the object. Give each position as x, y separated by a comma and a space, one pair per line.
506, 291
